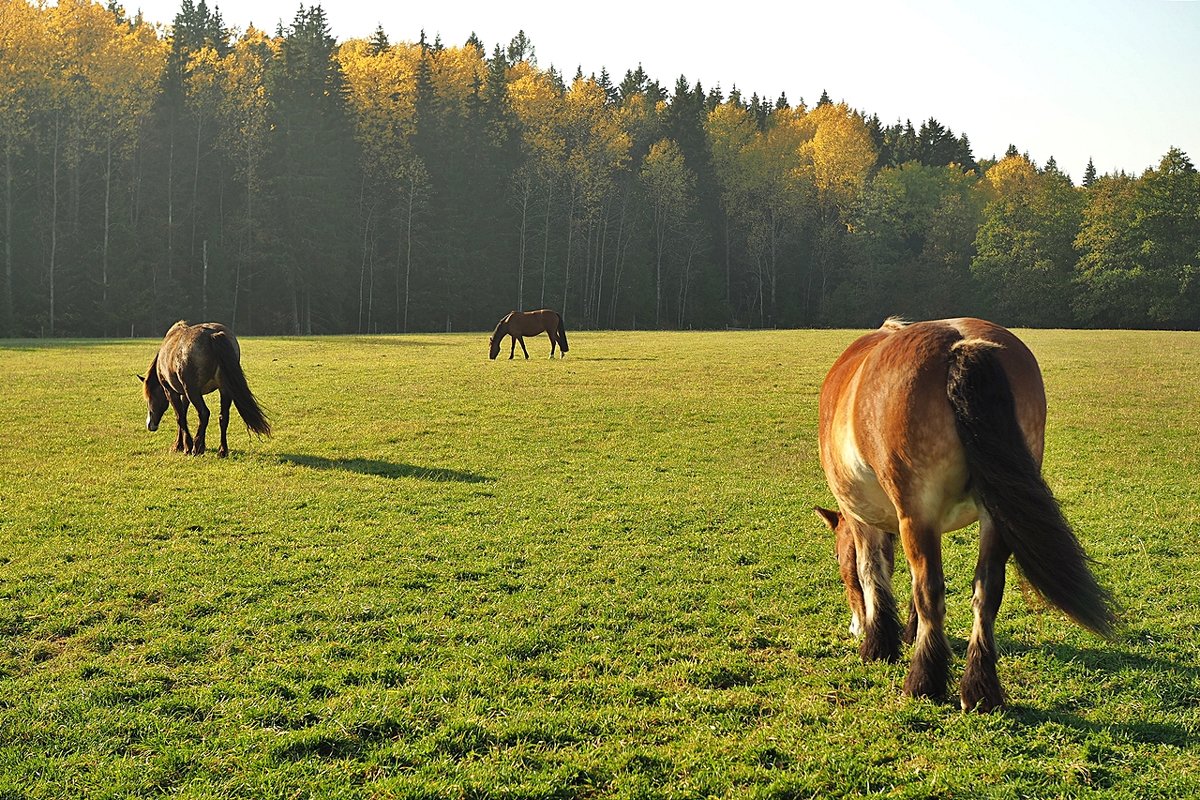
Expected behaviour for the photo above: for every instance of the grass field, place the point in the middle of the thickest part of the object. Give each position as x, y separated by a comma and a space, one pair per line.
596, 577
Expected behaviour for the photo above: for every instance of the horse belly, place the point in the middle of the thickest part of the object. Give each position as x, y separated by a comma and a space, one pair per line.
947, 510
857, 488
939, 482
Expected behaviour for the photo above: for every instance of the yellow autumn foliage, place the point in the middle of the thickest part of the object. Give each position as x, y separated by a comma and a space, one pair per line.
841, 151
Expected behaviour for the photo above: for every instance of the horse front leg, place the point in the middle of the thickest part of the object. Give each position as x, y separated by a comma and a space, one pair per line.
930, 667
223, 419
874, 552
980, 686
202, 415
512, 351
521, 339
183, 437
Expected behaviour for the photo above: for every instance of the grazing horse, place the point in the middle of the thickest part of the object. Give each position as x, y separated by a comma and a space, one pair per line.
519, 324
192, 361
925, 428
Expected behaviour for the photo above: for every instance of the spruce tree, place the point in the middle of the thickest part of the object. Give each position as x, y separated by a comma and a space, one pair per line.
379, 41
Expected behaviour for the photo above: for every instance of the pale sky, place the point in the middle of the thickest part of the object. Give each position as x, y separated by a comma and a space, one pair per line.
1116, 80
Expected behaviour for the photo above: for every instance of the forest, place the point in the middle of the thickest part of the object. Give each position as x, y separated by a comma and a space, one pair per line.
287, 183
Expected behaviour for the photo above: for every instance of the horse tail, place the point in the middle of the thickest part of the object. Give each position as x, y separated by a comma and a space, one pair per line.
1008, 483
562, 335
233, 381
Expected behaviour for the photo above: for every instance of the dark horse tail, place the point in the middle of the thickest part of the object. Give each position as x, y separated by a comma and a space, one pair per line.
1008, 483
233, 381
562, 335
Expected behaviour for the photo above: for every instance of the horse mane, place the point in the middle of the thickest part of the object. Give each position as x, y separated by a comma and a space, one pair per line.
501, 323
893, 324
151, 379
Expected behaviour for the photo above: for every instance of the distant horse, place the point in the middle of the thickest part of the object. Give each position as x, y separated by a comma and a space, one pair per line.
192, 361
925, 428
519, 324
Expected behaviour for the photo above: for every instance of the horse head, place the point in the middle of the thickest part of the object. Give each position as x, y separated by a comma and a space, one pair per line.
156, 398
847, 558
497, 337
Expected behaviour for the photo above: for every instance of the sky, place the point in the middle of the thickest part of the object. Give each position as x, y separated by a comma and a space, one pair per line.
1117, 81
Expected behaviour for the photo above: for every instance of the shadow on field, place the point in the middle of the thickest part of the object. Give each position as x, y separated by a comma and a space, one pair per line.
383, 469
614, 358
1175, 686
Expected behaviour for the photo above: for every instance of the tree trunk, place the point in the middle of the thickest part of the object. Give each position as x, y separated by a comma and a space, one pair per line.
247, 257
104, 249
9, 323
362, 267
570, 237
526, 189
546, 239
412, 198
728, 273
171, 204
53, 219
204, 284
195, 185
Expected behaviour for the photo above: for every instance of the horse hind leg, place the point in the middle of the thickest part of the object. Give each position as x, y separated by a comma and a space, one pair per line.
874, 551
930, 668
980, 687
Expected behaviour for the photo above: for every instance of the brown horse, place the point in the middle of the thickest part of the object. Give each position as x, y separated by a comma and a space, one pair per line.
519, 324
925, 428
192, 361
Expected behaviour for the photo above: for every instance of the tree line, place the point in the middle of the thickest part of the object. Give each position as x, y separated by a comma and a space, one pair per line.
289, 183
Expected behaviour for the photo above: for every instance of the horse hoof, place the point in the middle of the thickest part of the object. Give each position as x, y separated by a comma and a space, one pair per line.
222, 453
986, 704
983, 707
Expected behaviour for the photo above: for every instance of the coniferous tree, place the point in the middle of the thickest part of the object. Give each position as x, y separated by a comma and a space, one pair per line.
267, 188
379, 41
311, 189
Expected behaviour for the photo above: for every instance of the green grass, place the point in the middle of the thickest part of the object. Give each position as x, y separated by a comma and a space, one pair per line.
597, 577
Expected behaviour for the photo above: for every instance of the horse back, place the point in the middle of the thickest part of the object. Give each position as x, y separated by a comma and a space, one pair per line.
187, 358
531, 323
889, 442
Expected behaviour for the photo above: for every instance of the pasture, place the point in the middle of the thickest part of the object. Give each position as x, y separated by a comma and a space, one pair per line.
596, 577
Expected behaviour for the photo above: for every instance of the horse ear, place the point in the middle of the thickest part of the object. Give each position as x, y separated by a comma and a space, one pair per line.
141, 378
830, 518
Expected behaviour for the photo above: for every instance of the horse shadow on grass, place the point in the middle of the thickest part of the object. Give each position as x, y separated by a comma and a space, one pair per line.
1177, 686
383, 469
